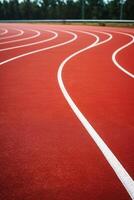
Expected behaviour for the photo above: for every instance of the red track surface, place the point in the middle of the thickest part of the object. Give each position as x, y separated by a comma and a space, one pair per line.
46, 154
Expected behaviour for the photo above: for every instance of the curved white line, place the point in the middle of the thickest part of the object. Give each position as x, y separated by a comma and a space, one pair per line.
4, 32
120, 171
104, 41
43, 49
25, 38
118, 50
21, 32
33, 43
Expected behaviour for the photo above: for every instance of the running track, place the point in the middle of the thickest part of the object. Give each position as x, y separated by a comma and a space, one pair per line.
66, 112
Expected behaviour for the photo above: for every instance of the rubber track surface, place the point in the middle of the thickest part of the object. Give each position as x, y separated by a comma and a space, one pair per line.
45, 152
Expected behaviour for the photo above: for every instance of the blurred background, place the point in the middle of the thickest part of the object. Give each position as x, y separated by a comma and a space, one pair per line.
66, 9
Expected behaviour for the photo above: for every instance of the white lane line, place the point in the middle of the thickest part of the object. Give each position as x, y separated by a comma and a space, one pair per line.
43, 49
120, 49
33, 43
4, 32
120, 171
25, 38
105, 33
21, 32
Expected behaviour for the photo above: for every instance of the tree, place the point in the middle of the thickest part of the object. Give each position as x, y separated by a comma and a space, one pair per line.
129, 9
14, 9
1, 11
52, 14
73, 9
95, 9
45, 8
66, 9
114, 9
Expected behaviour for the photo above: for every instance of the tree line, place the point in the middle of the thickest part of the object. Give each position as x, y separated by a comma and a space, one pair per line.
66, 9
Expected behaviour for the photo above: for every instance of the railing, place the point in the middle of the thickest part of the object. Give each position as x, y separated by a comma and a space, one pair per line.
101, 21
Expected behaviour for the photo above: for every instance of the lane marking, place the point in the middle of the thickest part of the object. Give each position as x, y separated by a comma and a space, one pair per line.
120, 49
47, 48
33, 43
103, 41
120, 171
43, 49
4, 32
23, 39
21, 32
93, 133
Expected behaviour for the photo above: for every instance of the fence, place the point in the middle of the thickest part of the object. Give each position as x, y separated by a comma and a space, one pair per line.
64, 21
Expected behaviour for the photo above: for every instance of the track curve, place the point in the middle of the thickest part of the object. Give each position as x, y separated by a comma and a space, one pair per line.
45, 151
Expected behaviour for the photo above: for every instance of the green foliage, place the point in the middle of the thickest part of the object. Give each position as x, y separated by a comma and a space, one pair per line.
65, 9
129, 9
114, 9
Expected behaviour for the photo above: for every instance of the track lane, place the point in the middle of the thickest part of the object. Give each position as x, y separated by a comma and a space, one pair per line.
27, 36
21, 52
37, 50
10, 32
98, 93
120, 49
31, 44
124, 58
122, 174
70, 167
21, 32
4, 32
47, 135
